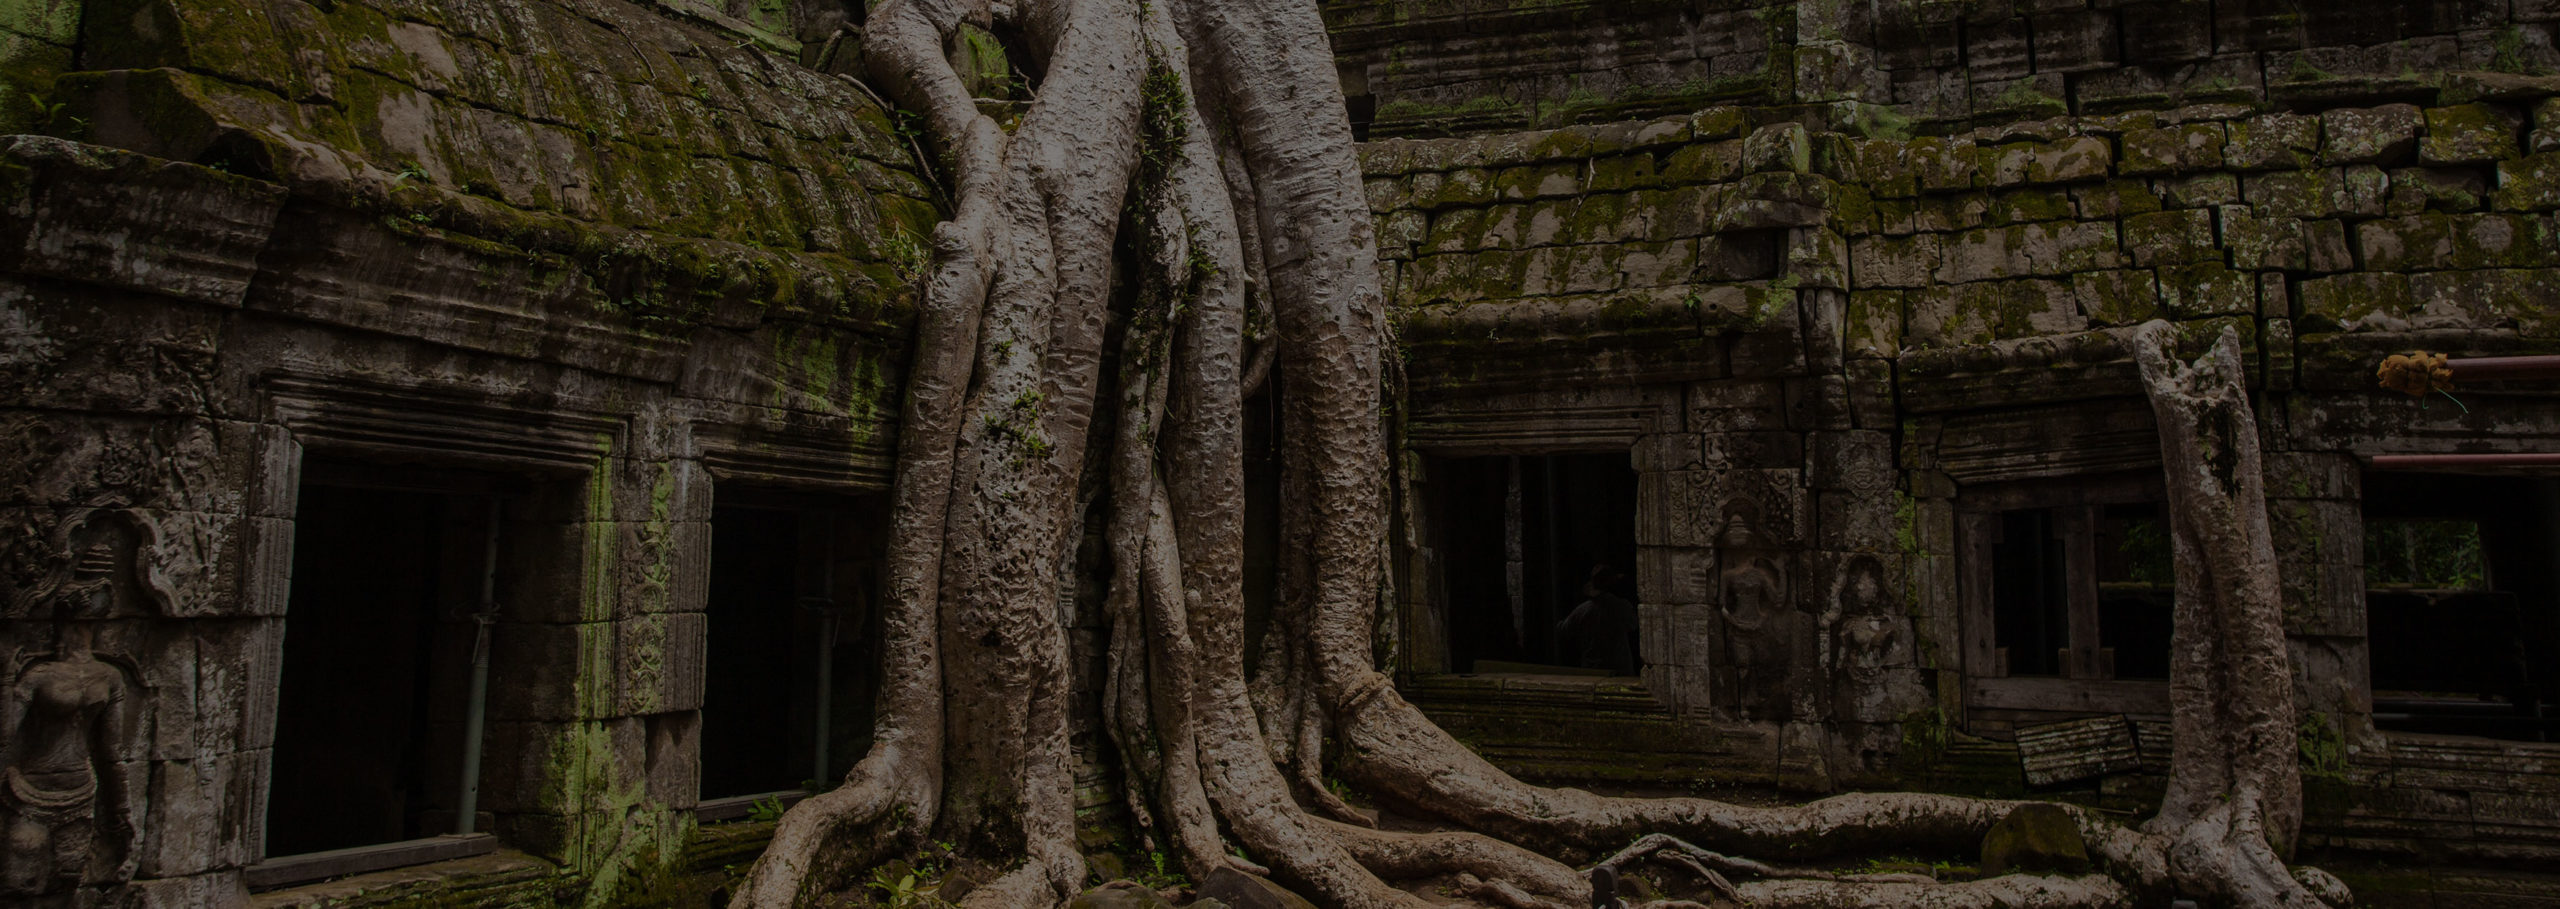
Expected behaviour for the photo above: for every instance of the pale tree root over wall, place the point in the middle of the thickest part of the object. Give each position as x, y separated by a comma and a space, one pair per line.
1174, 224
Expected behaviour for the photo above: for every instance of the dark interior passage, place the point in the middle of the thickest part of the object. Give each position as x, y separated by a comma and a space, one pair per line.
2029, 594
2462, 601
792, 576
2082, 591
377, 654
1519, 537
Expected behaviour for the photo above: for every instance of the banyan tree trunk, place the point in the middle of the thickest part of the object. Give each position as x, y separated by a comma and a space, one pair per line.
1175, 221
2234, 800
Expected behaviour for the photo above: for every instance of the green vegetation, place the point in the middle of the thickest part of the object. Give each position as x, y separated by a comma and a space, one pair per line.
2324, 750
2424, 554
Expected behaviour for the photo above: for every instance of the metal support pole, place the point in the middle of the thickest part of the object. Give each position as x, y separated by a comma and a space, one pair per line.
2490, 369
476, 711
2425, 461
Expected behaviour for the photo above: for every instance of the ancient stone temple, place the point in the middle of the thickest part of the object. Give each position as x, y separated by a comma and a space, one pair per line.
444, 444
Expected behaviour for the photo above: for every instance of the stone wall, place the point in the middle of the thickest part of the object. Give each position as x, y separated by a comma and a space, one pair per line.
1830, 358
1441, 67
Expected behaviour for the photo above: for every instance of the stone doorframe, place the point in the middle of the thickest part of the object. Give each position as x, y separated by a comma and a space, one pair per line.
1567, 420
572, 456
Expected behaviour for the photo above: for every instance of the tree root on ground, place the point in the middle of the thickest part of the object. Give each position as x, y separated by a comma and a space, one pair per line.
1183, 179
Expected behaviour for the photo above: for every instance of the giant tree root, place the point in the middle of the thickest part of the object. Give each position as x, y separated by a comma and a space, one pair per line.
1183, 177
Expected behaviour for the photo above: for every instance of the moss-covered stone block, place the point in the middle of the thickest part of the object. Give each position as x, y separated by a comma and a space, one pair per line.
1637, 264
1778, 148
2035, 838
1540, 223
1671, 214
1939, 213
2380, 135
27, 70
2117, 297
1553, 180
2047, 248
1458, 230
2273, 142
212, 38
2359, 301
1853, 209
2254, 241
2470, 133
2325, 245
1465, 186
2444, 189
2529, 183
2204, 289
2356, 191
1883, 166
2200, 190
2489, 298
1399, 232
1601, 218
1386, 194
1987, 311
1887, 261
2035, 97
2171, 237
1874, 323
2115, 199
1621, 173
55, 22
1718, 123
1465, 277
2019, 206
2184, 148
1944, 164
1764, 201
2067, 160
2441, 241
1706, 162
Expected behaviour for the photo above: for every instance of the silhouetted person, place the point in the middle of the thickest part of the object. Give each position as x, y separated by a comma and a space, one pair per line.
1605, 625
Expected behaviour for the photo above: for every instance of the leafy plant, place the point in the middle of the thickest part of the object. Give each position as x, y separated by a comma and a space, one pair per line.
768, 808
906, 255
50, 111
1159, 874
904, 890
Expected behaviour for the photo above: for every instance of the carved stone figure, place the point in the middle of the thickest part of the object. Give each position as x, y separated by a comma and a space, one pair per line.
62, 805
1760, 634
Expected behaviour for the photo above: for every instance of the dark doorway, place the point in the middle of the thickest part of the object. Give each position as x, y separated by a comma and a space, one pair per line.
792, 579
2029, 594
388, 568
1519, 536
2462, 603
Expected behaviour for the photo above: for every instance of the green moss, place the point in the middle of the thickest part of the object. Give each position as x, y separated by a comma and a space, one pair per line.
2027, 205
1925, 735
2323, 748
1703, 162
27, 100
2508, 53
2023, 99
1877, 121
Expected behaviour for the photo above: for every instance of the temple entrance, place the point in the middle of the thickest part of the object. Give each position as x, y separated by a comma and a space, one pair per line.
389, 568
792, 668
1519, 537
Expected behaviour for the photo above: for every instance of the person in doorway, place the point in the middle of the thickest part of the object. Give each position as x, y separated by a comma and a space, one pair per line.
1604, 625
